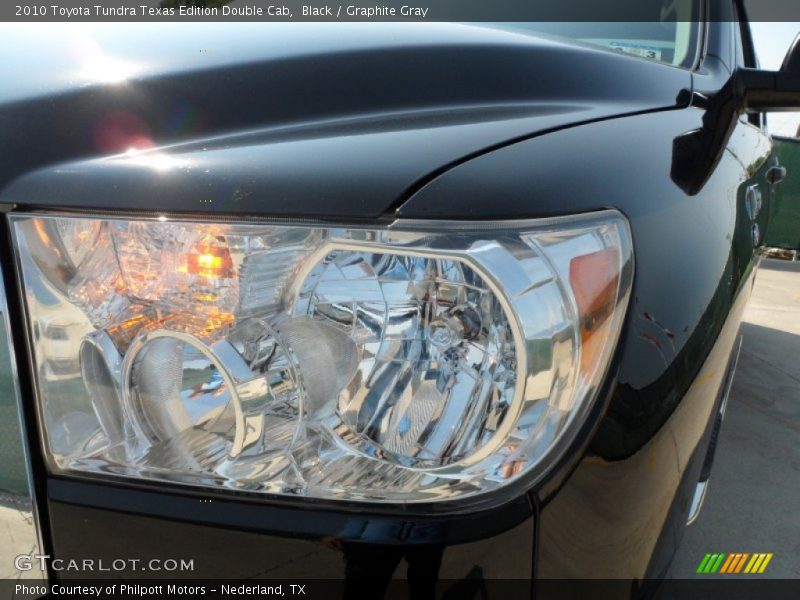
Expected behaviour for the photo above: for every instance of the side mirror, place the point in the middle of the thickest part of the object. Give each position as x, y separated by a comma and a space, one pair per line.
695, 154
772, 91
791, 63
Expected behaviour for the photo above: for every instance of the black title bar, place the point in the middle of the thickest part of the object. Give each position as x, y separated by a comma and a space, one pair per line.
383, 10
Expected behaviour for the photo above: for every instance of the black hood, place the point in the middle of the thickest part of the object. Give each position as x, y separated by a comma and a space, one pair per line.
336, 120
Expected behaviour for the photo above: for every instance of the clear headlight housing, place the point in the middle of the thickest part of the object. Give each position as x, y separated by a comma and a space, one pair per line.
414, 363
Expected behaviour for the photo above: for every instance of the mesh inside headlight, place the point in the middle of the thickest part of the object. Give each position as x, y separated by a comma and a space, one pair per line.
389, 365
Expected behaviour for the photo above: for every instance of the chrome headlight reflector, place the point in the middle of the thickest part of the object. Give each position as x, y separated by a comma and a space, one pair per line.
414, 363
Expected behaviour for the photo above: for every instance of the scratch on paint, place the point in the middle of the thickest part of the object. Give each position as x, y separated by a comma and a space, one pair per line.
653, 341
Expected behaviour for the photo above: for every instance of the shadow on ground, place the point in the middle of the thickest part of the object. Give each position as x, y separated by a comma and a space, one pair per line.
753, 502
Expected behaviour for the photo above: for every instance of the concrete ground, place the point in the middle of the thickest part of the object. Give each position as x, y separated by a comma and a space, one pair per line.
17, 536
753, 500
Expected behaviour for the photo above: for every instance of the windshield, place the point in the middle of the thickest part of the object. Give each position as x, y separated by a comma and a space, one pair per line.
670, 37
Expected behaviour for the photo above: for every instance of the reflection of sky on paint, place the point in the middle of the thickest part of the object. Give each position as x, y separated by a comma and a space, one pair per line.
772, 41
49, 57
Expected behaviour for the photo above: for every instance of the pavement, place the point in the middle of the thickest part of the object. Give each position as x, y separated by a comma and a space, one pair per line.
753, 500
18, 536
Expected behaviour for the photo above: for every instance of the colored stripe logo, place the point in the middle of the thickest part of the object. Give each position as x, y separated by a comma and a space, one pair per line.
737, 562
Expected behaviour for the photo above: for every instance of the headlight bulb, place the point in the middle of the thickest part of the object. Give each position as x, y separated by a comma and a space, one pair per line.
436, 383
174, 383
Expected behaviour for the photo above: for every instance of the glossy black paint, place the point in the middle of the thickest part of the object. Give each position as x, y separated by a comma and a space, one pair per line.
313, 520
342, 127
486, 125
246, 552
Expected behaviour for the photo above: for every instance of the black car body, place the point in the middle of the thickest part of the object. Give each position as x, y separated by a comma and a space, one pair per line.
368, 124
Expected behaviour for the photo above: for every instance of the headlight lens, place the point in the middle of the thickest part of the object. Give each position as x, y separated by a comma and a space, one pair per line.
419, 362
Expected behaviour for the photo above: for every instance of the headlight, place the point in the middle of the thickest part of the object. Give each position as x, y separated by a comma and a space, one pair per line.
414, 363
